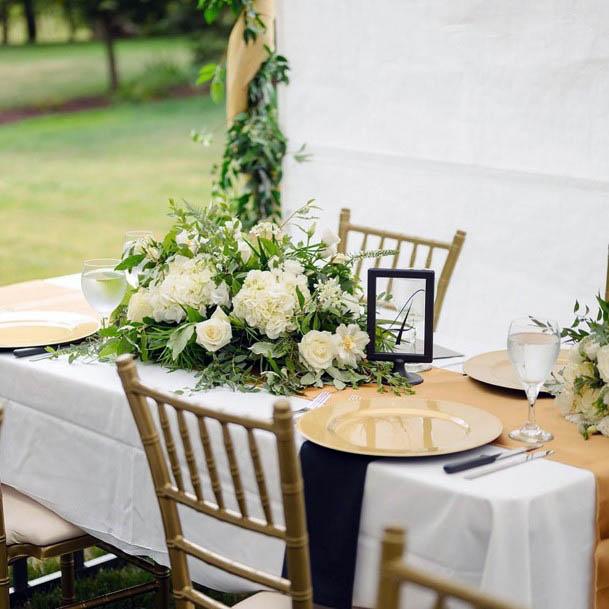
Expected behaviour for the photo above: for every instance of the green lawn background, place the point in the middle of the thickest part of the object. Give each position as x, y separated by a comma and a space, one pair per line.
72, 184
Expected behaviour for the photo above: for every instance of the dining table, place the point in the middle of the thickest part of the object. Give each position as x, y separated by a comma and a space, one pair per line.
526, 534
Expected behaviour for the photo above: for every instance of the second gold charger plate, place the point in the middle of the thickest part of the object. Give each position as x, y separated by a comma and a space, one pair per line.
495, 368
399, 426
41, 328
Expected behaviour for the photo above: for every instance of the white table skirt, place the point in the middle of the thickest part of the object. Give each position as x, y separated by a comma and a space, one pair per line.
525, 534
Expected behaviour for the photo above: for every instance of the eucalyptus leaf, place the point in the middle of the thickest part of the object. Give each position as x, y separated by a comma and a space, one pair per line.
179, 338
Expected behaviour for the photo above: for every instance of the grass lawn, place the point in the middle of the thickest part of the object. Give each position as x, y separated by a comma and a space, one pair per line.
72, 184
48, 74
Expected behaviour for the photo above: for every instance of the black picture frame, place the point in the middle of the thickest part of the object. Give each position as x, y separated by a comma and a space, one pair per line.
400, 359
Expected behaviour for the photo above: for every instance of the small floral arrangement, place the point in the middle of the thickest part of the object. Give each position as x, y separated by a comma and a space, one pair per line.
584, 397
247, 309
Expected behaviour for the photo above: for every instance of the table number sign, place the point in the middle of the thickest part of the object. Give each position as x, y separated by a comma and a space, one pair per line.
400, 318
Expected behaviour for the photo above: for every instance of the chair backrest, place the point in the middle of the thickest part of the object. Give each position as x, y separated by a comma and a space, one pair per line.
392, 240
394, 573
167, 474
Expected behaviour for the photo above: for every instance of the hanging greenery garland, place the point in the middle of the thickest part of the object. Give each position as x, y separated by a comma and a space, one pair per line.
251, 169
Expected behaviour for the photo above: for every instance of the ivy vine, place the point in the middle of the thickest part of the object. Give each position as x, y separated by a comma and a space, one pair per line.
251, 169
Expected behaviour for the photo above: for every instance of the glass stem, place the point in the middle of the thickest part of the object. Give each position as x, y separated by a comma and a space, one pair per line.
532, 391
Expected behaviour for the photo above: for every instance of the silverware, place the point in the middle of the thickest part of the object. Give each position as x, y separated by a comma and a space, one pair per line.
39, 357
495, 467
484, 459
320, 400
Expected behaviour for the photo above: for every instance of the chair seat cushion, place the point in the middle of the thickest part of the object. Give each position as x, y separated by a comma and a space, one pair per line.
27, 521
265, 600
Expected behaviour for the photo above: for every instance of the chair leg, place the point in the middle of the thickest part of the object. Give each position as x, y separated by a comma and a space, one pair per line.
67, 579
20, 580
163, 591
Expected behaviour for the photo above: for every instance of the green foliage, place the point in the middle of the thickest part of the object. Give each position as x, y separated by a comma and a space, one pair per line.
157, 80
251, 168
586, 324
255, 148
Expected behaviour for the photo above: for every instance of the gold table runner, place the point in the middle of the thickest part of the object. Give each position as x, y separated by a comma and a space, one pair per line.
509, 406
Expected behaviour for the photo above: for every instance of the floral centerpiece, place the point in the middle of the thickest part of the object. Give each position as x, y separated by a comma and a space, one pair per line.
247, 309
584, 396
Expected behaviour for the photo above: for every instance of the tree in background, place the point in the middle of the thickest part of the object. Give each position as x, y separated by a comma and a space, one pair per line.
4, 19
30, 18
111, 18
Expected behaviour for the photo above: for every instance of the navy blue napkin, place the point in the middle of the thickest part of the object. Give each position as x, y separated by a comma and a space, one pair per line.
334, 489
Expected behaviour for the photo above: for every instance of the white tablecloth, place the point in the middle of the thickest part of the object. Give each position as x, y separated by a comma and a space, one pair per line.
526, 534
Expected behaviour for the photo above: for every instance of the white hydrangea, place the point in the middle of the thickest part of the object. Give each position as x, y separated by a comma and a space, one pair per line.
268, 300
187, 281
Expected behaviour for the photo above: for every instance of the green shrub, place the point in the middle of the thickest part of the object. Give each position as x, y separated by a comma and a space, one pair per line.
157, 80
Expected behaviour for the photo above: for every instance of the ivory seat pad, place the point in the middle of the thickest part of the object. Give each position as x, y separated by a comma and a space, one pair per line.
27, 521
265, 600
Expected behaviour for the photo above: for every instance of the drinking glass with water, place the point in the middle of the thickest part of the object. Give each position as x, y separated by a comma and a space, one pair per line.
533, 346
103, 286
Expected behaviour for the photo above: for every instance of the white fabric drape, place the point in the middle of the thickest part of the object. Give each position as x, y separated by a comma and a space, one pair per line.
493, 117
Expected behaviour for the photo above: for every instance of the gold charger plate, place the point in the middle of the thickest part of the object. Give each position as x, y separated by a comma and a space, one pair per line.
41, 328
495, 368
399, 426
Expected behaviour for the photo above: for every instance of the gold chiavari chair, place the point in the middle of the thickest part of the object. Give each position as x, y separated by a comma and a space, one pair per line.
30, 530
169, 482
397, 240
394, 573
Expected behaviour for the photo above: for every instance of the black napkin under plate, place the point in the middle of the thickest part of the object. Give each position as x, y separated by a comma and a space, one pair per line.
334, 489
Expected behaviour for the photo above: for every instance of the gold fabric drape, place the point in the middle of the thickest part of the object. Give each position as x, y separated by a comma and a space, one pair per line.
244, 60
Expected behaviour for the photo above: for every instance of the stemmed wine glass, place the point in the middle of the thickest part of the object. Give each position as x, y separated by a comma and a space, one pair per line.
102, 285
533, 346
134, 239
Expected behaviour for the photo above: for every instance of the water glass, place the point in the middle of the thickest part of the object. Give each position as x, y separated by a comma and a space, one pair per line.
533, 347
103, 286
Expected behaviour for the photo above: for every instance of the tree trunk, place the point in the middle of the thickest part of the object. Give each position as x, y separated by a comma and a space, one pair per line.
68, 9
30, 18
108, 36
4, 19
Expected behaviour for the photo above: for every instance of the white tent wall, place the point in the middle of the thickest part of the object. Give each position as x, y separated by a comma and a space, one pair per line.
425, 116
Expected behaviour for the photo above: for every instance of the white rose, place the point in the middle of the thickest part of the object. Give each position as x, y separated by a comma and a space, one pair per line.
139, 306
330, 239
220, 295
318, 349
350, 343
214, 333
602, 362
